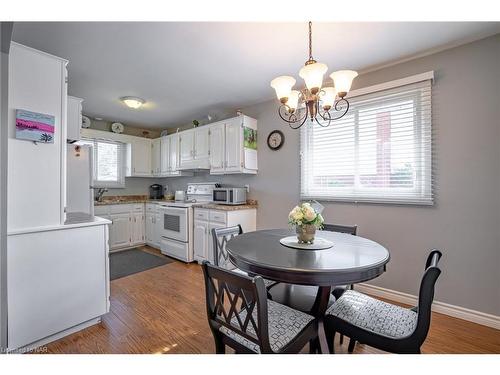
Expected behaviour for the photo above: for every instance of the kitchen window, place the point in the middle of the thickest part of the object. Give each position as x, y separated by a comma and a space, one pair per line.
108, 163
379, 152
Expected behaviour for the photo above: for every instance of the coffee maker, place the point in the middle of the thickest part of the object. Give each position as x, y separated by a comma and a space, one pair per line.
156, 191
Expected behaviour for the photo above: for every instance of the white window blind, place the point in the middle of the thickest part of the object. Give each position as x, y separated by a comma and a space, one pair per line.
379, 152
108, 163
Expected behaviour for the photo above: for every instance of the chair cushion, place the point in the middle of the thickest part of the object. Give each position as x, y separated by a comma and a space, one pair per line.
374, 315
267, 282
284, 324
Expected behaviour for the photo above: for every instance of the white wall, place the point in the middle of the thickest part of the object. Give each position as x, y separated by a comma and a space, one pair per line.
36, 172
464, 222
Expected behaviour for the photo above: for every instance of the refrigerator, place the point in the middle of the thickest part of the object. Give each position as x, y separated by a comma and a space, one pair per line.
79, 192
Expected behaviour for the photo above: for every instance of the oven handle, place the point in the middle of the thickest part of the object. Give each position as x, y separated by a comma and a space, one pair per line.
165, 208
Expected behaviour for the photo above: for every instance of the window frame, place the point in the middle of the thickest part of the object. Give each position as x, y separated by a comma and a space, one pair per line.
120, 182
424, 179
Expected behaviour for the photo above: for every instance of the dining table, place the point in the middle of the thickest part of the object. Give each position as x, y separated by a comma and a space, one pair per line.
349, 260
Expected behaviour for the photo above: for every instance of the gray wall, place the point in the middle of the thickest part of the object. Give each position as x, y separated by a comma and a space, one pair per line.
464, 222
5, 37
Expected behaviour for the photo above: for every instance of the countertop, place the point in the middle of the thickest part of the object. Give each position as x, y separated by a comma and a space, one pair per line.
135, 199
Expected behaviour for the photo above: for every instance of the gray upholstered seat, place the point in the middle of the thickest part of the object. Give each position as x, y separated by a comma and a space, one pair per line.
374, 315
284, 324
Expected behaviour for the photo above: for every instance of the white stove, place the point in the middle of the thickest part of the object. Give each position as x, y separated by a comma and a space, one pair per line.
177, 219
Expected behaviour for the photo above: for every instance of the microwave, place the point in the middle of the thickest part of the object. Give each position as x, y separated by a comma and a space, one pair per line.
230, 195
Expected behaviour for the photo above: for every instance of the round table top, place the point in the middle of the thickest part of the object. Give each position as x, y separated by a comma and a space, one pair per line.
352, 259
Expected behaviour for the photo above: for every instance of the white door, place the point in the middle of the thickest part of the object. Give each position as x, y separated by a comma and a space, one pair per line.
164, 156
202, 143
211, 241
141, 157
174, 153
217, 149
186, 145
201, 237
137, 220
150, 228
233, 145
119, 231
156, 157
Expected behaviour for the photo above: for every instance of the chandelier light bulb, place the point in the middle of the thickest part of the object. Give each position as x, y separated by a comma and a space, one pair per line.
293, 101
328, 97
283, 86
342, 79
312, 74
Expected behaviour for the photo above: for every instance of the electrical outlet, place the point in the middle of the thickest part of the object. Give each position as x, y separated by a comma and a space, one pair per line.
248, 188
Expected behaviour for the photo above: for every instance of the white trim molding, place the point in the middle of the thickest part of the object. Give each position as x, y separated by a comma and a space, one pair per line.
392, 84
474, 316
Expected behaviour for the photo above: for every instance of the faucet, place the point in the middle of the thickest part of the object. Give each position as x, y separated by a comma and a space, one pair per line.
100, 193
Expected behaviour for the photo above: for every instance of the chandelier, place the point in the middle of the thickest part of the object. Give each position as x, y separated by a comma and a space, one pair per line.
314, 102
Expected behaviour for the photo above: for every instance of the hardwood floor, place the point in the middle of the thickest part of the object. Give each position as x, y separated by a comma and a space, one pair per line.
162, 310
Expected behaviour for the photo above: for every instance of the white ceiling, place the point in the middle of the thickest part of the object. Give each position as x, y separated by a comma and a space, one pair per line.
186, 70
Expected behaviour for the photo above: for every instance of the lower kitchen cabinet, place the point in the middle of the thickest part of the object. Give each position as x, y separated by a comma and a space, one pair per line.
127, 227
119, 231
207, 219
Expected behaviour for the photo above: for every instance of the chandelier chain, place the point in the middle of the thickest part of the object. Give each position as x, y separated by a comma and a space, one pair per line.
310, 41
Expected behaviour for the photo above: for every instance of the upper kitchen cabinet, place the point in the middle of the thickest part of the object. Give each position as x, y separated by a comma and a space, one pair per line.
217, 147
74, 122
233, 146
170, 157
156, 166
194, 145
139, 157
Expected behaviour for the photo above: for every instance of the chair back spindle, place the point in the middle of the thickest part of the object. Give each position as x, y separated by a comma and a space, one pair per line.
220, 237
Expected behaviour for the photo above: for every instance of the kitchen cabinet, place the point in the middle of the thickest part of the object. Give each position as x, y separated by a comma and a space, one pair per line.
164, 156
195, 148
119, 231
150, 228
207, 219
137, 228
153, 225
74, 122
228, 153
200, 235
138, 157
186, 148
128, 224
217, 147
156, 157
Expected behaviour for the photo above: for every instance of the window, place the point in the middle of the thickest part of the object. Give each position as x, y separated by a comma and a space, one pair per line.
379, 152
108, 163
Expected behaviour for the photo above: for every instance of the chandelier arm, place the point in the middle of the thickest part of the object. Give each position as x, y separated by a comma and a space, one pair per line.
292, 117
325, 118
340, 110
302, 122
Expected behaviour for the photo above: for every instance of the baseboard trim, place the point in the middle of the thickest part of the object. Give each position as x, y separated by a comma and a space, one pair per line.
474, 316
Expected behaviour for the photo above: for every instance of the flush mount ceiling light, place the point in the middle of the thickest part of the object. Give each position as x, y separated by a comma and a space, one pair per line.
132, 101
320, 104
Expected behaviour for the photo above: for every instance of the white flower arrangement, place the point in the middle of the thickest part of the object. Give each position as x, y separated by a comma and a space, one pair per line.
305, 214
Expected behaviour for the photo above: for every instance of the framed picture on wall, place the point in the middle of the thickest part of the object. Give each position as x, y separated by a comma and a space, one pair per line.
33, 126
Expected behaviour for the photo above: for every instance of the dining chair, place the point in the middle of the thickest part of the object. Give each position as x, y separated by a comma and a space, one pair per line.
383, 325
241, 317
220, 238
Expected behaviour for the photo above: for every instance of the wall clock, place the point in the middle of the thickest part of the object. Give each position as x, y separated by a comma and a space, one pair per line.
275, 140
117, 127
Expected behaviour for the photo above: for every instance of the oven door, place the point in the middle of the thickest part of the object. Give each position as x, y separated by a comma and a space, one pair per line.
221, 195
174, 223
